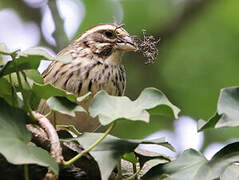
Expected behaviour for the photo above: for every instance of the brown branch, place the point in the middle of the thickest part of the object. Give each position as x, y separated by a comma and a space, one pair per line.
56, 150
39, 137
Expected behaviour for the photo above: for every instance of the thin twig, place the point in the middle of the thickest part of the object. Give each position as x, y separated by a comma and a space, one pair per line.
71, 161
26, 174
134, 175
119, 168
59, 34
135, 170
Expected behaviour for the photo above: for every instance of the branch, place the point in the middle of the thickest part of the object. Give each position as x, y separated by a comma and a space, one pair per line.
39, 137
59, 34
56, 151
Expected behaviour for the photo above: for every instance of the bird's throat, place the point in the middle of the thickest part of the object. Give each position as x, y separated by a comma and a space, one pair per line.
115, 58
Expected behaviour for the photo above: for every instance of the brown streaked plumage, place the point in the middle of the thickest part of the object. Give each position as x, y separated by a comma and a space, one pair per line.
96, 65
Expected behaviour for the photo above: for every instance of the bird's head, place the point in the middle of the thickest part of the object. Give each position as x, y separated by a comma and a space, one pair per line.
107, 42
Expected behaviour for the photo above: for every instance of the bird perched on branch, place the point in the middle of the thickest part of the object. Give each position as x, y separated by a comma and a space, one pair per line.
96, 65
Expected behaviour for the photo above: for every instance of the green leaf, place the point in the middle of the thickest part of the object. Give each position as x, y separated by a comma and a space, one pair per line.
224, 158
186, 166
46, 91
64, 106
111, 149
157, 103
84, 97
5, 88
110, 108
70, 128
7, 93
14, 138
27, 84
202, 125
30, 59
34, 75
133, 114
227, 110
193, 165
230, 173
146, 156
130, 157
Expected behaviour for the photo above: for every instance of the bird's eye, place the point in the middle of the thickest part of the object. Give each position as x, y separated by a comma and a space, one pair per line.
109, 34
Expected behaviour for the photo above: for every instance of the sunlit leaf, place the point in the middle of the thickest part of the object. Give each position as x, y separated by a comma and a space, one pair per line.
157, 103
14, 138
109, 108
132, 114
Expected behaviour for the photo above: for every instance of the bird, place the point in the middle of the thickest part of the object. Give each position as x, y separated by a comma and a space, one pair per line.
96, 65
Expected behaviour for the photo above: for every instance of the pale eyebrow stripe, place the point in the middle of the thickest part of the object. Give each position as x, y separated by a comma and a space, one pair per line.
102, 27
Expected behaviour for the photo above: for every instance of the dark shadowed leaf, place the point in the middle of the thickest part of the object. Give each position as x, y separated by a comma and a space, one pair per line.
193, 165
14, 138
111, 149
186, 166
46, 91
5, 87
64, 106
7, 93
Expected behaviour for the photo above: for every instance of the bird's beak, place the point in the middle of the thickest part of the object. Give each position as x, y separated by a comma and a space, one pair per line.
126, 43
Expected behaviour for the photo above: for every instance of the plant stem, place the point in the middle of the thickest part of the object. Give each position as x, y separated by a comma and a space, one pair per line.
54, 118
13, 90
26, 105
119, 174
71, 161
134, 175
48, 114
25, 78
135, 170
26, 175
